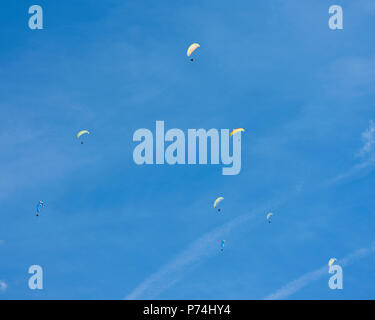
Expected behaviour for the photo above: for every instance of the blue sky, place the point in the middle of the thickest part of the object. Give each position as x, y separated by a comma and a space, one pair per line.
111, 229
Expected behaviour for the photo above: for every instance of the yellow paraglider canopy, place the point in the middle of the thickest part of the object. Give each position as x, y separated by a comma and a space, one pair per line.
217, 201
331, 261
235, 131
269, 215
82, 132
192, 48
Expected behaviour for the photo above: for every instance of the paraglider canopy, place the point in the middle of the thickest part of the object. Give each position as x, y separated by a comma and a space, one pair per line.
222, 242
82, 132
331, 261
217, 201
269, 216
191, 49
39, 207
236, 130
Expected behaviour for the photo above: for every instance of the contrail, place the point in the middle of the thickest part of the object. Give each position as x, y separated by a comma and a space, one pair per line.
296, 285
356, 170
205, 246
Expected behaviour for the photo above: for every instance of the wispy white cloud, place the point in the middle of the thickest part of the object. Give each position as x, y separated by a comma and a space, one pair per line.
368, 138
296, 285
355, 170
3, 286
205, 246
366, 152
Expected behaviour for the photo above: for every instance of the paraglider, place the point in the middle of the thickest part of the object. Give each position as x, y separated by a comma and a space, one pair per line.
222, 243
269, 216
191, 49
39, 207
236, 130
217, 201
82, 132
331, 261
